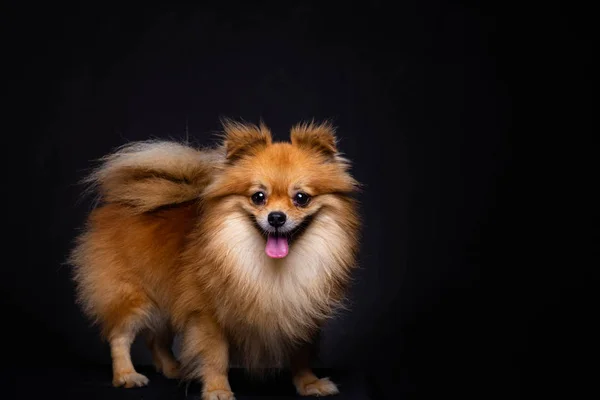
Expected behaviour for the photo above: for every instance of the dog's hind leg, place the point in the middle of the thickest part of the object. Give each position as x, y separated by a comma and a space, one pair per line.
128, 317
159, 341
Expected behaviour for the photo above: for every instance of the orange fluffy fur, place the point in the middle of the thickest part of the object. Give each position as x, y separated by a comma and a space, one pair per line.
174, 248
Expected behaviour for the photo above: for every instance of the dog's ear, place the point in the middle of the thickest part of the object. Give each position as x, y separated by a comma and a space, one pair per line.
242, 139
316, 137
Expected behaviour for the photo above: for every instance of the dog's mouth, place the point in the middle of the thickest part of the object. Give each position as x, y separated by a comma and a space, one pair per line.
278, 243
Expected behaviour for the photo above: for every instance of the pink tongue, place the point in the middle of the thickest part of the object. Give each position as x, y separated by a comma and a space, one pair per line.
277, 246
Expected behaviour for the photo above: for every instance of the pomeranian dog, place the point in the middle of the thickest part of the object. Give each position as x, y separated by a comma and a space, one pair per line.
244, 250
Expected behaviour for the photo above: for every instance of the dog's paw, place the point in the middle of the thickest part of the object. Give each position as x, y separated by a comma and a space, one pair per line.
218, 395
320, 387
169, 369
130, 380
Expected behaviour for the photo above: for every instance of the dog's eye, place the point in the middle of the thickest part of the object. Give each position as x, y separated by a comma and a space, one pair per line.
301, 199
259, 198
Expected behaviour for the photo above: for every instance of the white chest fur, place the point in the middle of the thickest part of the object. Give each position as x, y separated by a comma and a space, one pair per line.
279, 300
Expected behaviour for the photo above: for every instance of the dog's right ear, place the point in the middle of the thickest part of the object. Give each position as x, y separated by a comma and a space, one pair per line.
244, 139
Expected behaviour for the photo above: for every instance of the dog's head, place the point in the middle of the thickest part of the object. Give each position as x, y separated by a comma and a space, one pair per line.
281, 187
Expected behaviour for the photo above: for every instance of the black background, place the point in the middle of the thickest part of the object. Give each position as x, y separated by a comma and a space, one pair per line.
458, 292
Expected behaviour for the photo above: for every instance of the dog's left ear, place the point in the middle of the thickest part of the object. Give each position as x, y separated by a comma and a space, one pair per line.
317, 137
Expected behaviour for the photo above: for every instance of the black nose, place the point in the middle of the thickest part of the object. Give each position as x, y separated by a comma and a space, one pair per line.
276, 219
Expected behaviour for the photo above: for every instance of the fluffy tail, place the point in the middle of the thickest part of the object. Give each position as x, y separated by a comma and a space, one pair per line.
152, 174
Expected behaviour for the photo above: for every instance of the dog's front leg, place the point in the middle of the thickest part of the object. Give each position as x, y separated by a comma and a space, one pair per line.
205, 356
306, 382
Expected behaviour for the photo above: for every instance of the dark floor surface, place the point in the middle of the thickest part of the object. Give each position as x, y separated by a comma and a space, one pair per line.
95, 383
